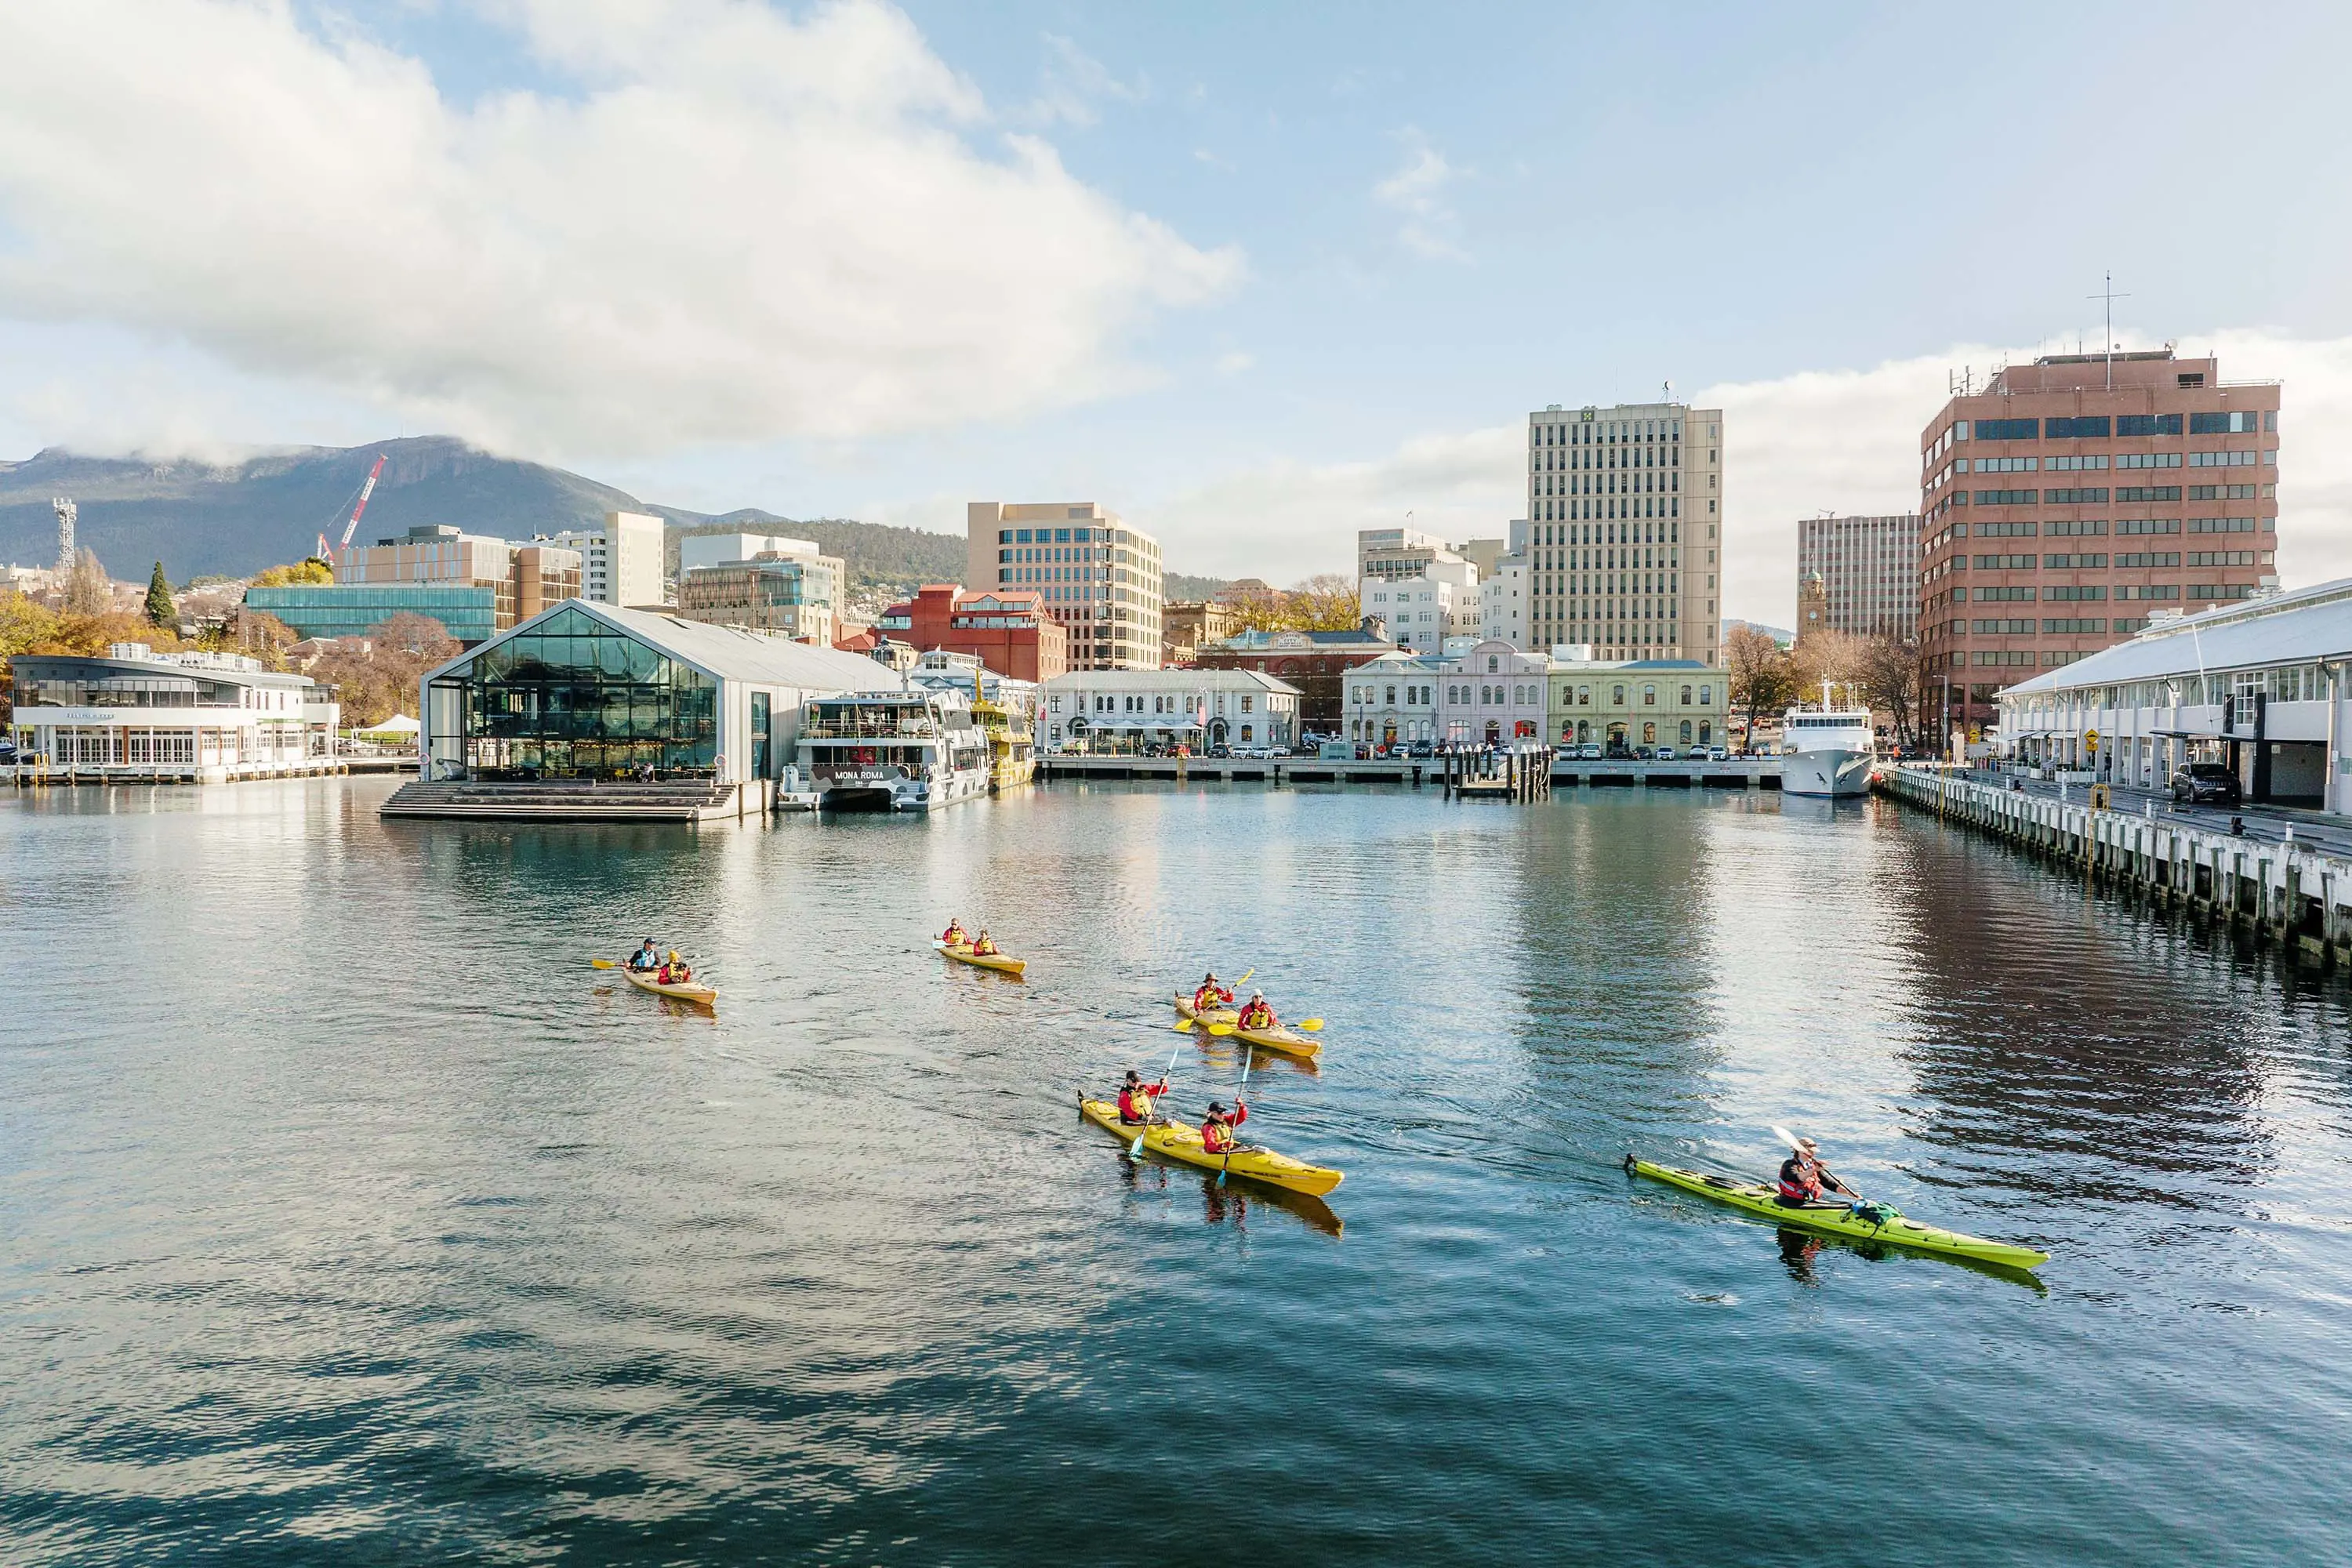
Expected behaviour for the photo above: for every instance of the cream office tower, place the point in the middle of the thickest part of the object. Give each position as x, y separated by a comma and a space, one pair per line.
1625, 524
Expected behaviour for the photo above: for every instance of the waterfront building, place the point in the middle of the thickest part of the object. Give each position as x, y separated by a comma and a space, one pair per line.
1490, 694
1098, 577
1187, 625
468, 612
1009, 630
621, 559
1423, 611
1503, 586
475, 586
1392, 700
1127, 710
1677, 702
1868, 572
599, 691
137, 715
1624, 505
2074, 498
826, 577
791, 596
2260, 688
1314, 663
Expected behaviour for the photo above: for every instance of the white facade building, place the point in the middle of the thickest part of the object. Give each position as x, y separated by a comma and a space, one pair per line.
620, 559
1392, 700
139, 715
1492, 694
1420, 612
1128, 709
1397, 553
1624, 506
1503, 581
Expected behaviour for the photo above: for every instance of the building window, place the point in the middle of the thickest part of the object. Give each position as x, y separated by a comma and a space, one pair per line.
1649, 696
1706, 697
1617, 697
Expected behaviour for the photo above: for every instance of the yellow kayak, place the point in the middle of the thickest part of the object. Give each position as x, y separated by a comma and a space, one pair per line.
1280, 1039
995, 961
701, 996
1868, 1223
1214, 1016
1174, 1141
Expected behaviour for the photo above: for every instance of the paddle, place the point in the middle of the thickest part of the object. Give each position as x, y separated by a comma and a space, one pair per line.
1229, 1132
1796, 1145
603, 963
1135, 1150
1312, 1025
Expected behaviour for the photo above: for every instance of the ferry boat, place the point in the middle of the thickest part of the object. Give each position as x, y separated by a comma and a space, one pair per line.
1012, 746
893, 750
1827, 751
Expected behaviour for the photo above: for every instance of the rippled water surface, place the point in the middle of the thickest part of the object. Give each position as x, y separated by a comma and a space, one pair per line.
351, 1217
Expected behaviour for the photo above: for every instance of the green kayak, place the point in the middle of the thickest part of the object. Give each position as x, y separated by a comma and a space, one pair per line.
1867, 1222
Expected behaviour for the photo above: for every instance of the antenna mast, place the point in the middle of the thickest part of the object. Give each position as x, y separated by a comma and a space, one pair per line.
2110, 296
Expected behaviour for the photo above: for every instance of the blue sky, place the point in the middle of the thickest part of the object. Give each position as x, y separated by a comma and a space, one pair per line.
1253, 279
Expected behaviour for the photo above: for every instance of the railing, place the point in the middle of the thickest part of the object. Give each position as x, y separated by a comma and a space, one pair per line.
919, 729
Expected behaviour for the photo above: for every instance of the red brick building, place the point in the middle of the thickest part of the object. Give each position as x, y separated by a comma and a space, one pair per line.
1007, 629
1314, 662
2077, 497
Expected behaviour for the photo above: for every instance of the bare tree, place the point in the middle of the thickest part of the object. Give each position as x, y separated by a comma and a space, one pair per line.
1891, 679
1762, 678
89, 590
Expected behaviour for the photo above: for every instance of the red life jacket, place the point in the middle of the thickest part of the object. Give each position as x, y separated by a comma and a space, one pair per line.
1217, 1131
1799, 1183
1135, 1103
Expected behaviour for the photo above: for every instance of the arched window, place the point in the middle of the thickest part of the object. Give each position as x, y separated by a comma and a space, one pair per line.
1584, 697
1649, 696
1686, 731
1650, 734
1492, 664
1686, 702
1617, 697
1707, 696
1706, 733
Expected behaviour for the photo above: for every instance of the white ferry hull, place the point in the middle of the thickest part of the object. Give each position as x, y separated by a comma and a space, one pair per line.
941, 789
1833, 774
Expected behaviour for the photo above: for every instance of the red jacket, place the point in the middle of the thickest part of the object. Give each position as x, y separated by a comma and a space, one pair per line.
1129, 1112
1217, 1131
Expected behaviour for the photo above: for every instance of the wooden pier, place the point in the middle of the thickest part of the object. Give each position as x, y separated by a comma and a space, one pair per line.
2284, 892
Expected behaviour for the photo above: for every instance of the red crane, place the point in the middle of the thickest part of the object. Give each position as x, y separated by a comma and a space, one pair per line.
366, 491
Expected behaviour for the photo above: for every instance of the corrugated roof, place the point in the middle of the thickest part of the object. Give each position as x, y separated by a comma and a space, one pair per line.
2301, 627
731, 653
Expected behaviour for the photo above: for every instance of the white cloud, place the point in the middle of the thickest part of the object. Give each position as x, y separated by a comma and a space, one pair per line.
1417, 191
1284, 520
1234, 362
1075, 85
731, 226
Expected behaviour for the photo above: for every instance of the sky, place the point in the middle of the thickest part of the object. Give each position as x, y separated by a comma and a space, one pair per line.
1252, 277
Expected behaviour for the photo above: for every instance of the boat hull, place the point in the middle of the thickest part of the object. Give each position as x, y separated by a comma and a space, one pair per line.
1175, 1141
1279, 1039
1214, 1016
700, 995
995, 961
1832, 773
1761, 1200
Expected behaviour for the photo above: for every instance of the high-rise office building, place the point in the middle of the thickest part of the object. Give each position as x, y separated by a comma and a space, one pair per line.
2073, 499
1869, 572
1099, 578
621, 559
1626, 514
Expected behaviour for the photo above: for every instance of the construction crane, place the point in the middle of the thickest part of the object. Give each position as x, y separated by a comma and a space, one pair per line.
353, 527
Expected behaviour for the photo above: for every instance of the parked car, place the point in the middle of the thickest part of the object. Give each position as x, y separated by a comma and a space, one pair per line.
1718, 755
2201, 783
1423, 749
1662, 754
1589, 751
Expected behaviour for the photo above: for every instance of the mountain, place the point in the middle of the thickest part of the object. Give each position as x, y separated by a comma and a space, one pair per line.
233, 518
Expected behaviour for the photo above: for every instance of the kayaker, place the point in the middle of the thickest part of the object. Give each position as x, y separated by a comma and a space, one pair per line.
1217, 1127
1135, 1097
1258, 1014
677, 971
1210, 994
645, 958
1803, 1177
955, 935
982, 947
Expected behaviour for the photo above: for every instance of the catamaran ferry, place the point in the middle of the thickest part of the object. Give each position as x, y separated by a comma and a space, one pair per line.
1826, 751
893, 750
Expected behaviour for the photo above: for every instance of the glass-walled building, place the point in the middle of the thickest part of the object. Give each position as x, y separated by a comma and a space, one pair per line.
470, 613
592, 691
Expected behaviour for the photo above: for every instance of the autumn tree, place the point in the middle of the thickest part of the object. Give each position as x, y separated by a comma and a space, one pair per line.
1763, 679
258, 634
308, 570
89, 590
1326, 602
160, 612
377, 678
1890, 674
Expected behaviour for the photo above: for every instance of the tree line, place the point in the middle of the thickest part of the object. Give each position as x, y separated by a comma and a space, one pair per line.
1883, 672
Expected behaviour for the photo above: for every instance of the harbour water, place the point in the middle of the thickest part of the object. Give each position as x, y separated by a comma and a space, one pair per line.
351, 1217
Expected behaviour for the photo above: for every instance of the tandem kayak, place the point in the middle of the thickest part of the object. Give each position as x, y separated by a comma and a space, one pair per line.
1868, 1223
1279, 1039
1214, 1016
701, 996
995, 961
1175, 1141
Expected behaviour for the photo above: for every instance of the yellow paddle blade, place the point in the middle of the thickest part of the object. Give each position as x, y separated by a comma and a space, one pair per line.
602, 963
1221, 1030
1310, 1025
1183, 1025
1246, 974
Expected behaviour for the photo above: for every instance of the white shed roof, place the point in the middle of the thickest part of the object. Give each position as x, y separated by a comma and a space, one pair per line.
729, 653
2307, 627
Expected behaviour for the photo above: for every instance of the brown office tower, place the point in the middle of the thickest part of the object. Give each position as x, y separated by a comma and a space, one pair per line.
2075, 499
